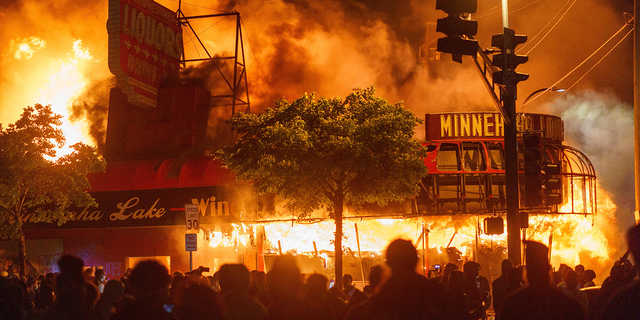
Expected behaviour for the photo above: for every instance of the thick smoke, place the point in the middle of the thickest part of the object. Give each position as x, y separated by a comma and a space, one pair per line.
601, 126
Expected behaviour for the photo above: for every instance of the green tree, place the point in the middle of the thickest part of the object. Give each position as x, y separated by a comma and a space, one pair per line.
34, 186
327, 153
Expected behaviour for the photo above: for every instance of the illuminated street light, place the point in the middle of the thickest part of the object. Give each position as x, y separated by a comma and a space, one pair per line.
541, 90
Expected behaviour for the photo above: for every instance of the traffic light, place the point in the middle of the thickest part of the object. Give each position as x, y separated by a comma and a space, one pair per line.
533, 175
507, 61
457, 29
493, 225
552, 184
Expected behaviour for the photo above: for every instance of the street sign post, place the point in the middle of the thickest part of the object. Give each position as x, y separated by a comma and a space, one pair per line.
191, 242
191, 211
193, 225
191, 245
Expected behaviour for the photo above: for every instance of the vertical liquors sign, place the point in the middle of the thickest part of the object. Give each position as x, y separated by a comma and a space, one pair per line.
145, 47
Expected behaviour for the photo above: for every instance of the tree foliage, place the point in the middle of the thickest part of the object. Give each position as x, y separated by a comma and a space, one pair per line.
35, 185
312, 151
323, 152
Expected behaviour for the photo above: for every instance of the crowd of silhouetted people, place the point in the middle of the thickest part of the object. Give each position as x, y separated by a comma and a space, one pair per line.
394, 291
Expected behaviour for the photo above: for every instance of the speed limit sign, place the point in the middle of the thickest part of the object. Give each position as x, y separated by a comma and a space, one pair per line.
191, 211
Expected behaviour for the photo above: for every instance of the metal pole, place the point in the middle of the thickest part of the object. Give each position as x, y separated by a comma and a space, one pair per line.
511, 176
190, 261
424, 253
636, 106
360, 256
505, 13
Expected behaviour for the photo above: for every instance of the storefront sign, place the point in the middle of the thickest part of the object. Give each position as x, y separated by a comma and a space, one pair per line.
143, 208
145, 47
489, 125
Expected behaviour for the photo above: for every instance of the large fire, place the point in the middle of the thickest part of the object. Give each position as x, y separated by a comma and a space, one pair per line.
58, 82
575, 239
56, 79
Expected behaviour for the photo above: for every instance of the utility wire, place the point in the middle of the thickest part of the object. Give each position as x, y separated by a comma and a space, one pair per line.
576, 68
209, 27
551, 29
610, 50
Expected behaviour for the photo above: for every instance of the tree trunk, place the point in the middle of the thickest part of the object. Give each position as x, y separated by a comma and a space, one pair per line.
21, 260
338, 207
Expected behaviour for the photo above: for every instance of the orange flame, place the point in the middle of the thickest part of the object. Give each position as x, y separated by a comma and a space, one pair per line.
64, 80
25, 47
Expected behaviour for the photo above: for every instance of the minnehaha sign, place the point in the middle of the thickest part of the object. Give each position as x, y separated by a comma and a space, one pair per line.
489, 125
145, 47
150, 208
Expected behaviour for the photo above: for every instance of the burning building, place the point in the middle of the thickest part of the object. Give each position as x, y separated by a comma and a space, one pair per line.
155, 147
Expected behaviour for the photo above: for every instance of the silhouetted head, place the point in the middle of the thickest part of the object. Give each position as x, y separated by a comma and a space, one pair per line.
402, 256
347, 279
506, 266
450, 267
537, 262
579, 269
589, 275
113, 291
150, 279
457, 281
317, 285
234, 278
283, 281
471, 269
375, 276
571, 279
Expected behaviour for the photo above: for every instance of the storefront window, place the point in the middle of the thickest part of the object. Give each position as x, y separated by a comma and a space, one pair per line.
496, 155
473, 156
448, 157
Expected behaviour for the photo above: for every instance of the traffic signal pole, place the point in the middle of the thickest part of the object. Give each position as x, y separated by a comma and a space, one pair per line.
511, 174
459, 32
512, 192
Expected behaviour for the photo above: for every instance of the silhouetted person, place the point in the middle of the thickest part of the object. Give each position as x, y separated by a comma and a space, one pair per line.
589, 276
457, 304
515, 279
113, 291
538, 300
149, 281
322, 303
448, 268
572, 290
11, 299
353, 294
74, 296
198, 301
375, 277
234, 286
500, 286
477, 290
406, 294
624, 305
285, 288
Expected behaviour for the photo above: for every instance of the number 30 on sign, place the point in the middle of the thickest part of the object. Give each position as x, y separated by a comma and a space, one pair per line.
191, 211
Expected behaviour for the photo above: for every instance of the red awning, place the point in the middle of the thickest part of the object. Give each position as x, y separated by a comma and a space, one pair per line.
160, 174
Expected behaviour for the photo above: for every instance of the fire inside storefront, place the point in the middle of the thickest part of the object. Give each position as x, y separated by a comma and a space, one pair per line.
156, 164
